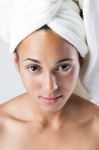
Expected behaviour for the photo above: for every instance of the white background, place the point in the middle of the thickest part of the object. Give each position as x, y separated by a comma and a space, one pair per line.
10, 84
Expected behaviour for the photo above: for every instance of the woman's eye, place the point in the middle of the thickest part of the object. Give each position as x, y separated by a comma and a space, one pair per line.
64, 67
34, 68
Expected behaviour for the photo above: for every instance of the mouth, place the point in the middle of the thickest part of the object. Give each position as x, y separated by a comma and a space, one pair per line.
51, 100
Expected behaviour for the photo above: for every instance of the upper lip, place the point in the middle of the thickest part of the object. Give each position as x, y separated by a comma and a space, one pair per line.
51, 97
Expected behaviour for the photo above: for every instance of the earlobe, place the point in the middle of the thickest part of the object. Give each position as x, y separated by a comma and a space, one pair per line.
16, 62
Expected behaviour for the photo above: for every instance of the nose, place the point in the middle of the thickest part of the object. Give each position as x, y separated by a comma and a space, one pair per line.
51, 83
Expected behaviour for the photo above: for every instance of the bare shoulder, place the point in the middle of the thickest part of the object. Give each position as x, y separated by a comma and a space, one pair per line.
10, 108
3, 123
86, 108
85, 104
89, 110
7, 106
10, 115
14, 110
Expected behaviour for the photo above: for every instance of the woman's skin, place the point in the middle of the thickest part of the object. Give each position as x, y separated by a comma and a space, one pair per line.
37, 120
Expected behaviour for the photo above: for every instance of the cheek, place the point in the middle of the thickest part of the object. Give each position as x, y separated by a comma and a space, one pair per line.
73, 78
33, 85
69, 81
30, 82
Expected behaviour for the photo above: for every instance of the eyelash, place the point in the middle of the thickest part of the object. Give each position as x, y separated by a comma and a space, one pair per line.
32, 66
67, 67
38, 68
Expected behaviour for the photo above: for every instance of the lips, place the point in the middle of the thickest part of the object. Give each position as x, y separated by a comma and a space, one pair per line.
52, 98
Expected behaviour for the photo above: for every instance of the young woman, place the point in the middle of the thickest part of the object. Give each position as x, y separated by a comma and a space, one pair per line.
48, 116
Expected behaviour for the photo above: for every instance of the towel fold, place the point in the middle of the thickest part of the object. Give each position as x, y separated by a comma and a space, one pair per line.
91, 22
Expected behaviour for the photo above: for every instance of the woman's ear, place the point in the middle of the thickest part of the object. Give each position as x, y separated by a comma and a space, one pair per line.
16, 61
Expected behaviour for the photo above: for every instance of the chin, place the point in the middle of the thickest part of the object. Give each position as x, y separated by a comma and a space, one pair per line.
52, 108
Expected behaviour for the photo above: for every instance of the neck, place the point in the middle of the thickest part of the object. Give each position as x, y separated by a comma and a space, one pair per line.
53, 119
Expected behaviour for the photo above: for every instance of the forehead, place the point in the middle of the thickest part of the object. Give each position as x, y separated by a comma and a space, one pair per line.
45, 43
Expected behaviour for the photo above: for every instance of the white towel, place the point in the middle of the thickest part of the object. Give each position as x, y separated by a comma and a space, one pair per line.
25, 16
4, 18
62, 16
80, 3
90, 77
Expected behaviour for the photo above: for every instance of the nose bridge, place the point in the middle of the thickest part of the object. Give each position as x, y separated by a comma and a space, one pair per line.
51, 82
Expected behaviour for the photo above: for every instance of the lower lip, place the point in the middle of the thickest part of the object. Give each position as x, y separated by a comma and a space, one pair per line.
51, 101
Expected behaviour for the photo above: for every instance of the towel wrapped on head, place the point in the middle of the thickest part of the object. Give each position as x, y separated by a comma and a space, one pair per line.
62, 16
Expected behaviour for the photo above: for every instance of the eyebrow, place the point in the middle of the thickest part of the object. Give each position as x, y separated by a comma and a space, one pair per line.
60, 61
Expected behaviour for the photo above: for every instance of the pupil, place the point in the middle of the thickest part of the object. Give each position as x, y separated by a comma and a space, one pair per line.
34, 68
64, 67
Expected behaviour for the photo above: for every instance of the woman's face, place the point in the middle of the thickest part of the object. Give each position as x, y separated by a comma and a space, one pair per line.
49, 68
